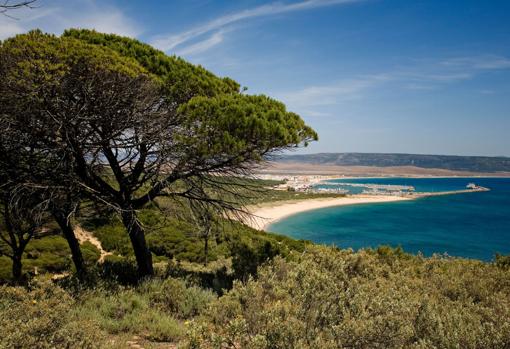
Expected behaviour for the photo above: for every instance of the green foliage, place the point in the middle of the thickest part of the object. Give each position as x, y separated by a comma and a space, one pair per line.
114, 238
43, 318
330, 298
502, 261
40, 59
246, 127
175, 297
175, 238
246, 259
47, 254
182, 79
121, 270
151, 309
129, 311
216, 276
90, 253
5, 268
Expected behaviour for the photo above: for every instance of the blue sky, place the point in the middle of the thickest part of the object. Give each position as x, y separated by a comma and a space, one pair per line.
404, 76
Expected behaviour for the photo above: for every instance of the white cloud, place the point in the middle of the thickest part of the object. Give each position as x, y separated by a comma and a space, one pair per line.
203, 45
9, 27
323, 95
437, 77
429, 76
485, 62
62, 15
171, 41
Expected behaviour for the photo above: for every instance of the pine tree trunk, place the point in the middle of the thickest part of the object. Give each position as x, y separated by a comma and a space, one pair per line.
137, 236
16, 267
74, 245
206, 249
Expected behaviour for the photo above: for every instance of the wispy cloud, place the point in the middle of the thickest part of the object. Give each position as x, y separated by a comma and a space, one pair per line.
485, 62
171, 41
323, 95
76, 14
420, 77
8, 27
451, 70
203, 45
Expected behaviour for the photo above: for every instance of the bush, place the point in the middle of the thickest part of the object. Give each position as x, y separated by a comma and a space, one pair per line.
174, 296
120, 270
174, 238
217, 275
42, 318
113, 238
5, 268
129, 311
330, 298
502, 261
90, 253
247, 259
44, 254
151, 309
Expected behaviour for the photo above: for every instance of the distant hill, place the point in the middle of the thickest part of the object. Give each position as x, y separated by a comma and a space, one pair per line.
447, 162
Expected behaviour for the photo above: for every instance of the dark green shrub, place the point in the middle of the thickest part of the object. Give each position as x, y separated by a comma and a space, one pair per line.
113, 238
47, 254
216, 276
90, 252
5, 268
120, 269
246, 259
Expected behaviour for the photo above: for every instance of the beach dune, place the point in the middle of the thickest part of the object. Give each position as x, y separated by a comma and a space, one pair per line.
268, 213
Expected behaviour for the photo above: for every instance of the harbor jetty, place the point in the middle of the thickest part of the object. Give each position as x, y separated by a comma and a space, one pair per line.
451, 192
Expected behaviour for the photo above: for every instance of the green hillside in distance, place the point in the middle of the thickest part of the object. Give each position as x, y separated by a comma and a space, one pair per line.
447, 162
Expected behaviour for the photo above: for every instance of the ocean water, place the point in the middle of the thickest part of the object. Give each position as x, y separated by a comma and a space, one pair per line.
472, 225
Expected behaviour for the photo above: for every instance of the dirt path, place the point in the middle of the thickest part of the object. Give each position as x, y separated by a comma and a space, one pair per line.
83, 235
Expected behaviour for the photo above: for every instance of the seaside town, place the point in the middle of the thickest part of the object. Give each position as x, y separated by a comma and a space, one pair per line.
325, 184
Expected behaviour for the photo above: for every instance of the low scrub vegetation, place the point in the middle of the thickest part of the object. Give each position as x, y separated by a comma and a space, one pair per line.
328, 298
322, 297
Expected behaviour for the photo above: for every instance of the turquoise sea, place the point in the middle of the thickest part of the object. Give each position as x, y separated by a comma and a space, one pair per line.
472, 225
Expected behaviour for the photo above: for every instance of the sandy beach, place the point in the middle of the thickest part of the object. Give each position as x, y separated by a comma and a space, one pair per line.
265, 214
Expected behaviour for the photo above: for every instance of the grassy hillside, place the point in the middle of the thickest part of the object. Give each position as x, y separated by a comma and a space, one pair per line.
259, 290
320, 298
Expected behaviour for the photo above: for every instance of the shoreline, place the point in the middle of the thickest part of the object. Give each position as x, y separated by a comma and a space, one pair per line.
266, 214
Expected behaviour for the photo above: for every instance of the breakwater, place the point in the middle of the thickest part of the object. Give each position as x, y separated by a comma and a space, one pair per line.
449, 192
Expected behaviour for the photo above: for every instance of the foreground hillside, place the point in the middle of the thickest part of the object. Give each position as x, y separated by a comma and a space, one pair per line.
256, 290
320, 298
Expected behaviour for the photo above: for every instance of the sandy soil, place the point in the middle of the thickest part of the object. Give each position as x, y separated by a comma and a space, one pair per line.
265, 214
83, 235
